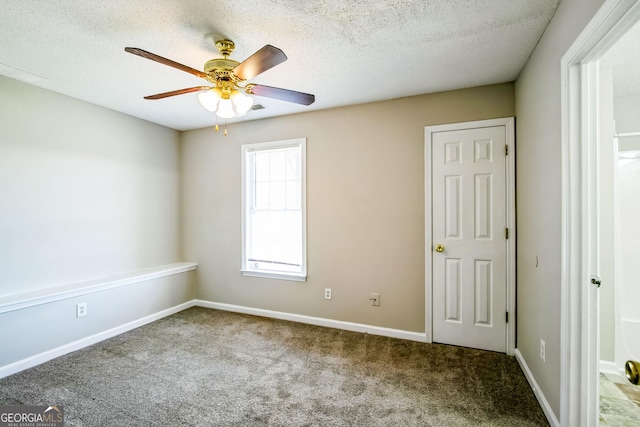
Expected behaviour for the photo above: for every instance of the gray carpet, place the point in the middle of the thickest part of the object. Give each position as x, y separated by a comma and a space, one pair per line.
203, 367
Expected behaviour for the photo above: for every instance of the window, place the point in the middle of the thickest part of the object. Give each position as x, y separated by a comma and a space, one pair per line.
274, 220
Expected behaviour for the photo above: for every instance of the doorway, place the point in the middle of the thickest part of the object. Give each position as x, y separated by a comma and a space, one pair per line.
588, 249
619, 210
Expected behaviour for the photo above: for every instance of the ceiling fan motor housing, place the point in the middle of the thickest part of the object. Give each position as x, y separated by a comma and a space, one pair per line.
220, 67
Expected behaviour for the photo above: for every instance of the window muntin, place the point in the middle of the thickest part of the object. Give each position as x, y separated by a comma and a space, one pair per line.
274, 235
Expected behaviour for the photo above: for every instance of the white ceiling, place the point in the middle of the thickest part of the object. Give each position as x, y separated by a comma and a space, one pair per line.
343, 51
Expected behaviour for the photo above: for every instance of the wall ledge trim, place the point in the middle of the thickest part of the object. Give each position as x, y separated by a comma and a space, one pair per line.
317, 321
537, 391
33, 298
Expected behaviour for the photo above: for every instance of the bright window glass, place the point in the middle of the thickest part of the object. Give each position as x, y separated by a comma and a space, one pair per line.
274, 235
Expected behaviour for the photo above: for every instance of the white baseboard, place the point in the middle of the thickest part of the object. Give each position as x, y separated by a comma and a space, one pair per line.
546, 408
317, 321
37, 359
607, 367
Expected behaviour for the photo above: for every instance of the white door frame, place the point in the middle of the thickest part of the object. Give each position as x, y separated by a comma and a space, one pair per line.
508, 122
579, 326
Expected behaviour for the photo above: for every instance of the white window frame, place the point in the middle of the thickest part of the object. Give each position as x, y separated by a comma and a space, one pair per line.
245, 149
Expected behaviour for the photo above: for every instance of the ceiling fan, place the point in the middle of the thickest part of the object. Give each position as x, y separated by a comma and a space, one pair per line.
227, 77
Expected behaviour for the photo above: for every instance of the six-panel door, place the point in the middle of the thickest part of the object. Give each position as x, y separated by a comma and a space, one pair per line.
468, 219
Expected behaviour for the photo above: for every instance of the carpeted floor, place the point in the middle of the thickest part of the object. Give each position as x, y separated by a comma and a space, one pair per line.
203, 367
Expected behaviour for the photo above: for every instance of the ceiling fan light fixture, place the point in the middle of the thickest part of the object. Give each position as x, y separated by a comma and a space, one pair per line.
241, 102
225, 105
209, 99
225, 109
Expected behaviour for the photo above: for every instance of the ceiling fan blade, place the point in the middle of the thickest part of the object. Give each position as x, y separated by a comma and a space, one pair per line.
282, 94
264, 59
177, 92
165, 61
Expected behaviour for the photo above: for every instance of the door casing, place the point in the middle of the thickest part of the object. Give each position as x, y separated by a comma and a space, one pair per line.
509, 125
579, 335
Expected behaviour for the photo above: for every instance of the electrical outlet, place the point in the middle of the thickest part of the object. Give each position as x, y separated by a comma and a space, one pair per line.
375, 299
81, 309
542, 351
327, 293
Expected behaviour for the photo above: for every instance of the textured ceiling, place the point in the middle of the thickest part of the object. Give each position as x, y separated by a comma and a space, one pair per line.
343, 51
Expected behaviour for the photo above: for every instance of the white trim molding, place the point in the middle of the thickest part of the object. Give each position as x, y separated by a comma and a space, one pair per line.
607, 367
38, 359
317, 321
510, 177
43, 357
537, 391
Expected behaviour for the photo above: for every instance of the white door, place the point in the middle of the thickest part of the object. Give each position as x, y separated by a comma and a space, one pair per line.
469, 237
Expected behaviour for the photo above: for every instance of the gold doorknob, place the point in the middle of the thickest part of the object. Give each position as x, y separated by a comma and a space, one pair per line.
439, 248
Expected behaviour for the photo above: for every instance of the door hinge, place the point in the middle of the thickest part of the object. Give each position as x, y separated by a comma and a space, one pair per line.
507, 317
506, 233
506, 150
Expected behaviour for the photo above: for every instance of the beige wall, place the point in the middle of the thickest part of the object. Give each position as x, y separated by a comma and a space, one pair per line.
538, 177
86, 192
365, 209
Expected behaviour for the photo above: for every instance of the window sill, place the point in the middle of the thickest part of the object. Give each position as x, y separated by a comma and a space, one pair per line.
280, 276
